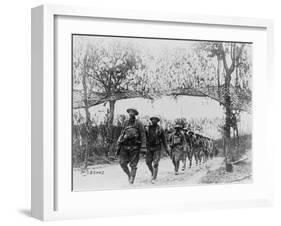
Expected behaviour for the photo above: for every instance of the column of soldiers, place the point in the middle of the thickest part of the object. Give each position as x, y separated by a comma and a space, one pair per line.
136, 138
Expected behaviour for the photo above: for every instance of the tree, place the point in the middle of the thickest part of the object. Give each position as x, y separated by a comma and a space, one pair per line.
113, 69
108, 68
233, 51
80, 64
213, 50
231, 56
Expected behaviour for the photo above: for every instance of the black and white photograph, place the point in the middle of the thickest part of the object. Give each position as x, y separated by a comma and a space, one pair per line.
157, 112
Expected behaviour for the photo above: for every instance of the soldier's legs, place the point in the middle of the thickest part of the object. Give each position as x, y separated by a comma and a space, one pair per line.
184, 156
124, 160
189, 156
149, 160
206, 155
176, 159
196, 156
156, 160
134, 159
173, 159
177, 165
201, 156
174, 162
211, 153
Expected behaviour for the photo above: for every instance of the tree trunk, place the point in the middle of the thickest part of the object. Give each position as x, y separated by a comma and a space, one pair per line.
111, 112
110, 126
218, 76
236, 78
234, 55
87, 140
88, 118
227, 119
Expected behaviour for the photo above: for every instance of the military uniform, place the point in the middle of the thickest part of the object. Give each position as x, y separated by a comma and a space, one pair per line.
189, 136
178, 145
187, 152
132, 139
198, 148
155, 139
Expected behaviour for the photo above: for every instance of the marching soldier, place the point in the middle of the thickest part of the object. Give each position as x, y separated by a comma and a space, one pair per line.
187, 151
155, 138
178, 146
131, 141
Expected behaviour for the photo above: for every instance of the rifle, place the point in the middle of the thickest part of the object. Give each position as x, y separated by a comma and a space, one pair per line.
121, 139
119, 143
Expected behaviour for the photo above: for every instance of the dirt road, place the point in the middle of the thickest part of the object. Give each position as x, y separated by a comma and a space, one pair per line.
112, 177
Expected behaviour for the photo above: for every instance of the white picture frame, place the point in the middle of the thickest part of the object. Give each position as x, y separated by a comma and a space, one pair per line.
44, 154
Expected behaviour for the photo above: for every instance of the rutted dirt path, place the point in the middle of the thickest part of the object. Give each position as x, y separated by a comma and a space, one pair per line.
112, 177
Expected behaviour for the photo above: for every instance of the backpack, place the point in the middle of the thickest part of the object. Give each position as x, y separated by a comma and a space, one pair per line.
131, 133
153, 139
177, 139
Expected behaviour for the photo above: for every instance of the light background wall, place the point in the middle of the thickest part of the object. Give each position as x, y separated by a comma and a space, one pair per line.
15, 111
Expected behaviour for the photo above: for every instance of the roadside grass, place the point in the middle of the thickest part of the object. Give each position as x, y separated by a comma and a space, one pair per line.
241, 174
242, 171
245, 144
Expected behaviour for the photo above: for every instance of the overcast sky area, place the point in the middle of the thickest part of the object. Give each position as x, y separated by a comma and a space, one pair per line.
170, 108
183, 107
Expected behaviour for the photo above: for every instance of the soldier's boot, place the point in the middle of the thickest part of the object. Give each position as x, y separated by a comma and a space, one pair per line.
126, 170
184, 165
177, 164
150, 168
133, 175
190, 162
154, 175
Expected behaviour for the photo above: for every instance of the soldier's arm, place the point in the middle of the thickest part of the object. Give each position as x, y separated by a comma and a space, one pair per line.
122, 131
184, 142
163, 139
184, 139
165, 144
142, 135
170, 140
146, 131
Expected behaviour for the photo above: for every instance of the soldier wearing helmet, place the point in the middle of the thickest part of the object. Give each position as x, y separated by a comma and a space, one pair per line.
178, 146
131, 142
156, 139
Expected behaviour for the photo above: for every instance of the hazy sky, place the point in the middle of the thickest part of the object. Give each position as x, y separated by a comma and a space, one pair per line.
186, 106
167, 107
